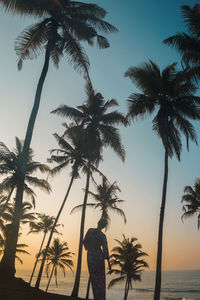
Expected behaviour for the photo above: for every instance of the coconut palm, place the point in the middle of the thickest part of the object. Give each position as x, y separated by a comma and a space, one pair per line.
59, 32
191, 199
171, 97
44, 224
127, 261
99, 131
72, 152
106, 200
10, 169
59, 257
10, 165
188, 44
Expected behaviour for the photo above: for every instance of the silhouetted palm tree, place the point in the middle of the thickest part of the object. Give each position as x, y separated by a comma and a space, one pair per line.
59, 257
188, 44
72, 152
99, 131
171, 97
127, 260
11, 166
106, 200
10, 162
60, 32
191, 199
43, 224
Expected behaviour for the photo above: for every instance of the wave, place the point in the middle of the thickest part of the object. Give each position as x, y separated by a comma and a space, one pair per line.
169, 290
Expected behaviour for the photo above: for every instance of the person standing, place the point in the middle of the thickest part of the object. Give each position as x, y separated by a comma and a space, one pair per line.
95, 243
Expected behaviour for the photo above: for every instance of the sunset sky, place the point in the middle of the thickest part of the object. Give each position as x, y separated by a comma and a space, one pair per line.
143, 25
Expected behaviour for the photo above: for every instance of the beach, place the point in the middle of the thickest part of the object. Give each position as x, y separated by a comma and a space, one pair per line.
177, 285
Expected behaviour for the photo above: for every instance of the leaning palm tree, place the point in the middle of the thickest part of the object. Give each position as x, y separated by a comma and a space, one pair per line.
171, 97
59, 257
127, 262
58, 33
106, 200
11, 166
10, 162
44, 224
188, 44
191, 199
72, 152
99, 132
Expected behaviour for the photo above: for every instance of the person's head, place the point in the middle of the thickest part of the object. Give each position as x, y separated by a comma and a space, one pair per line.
102, 224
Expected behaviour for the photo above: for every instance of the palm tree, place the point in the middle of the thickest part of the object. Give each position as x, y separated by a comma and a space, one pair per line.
59, 257
106, 199
60, 32
191, 198
43, 224
71, 152
171, 96
10, 165
188, 44
127, 262
10, 168
99, 131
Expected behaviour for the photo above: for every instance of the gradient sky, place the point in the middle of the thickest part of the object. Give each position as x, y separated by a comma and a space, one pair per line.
142, 27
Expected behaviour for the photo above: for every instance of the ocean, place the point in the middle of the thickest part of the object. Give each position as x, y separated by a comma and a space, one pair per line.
176, 285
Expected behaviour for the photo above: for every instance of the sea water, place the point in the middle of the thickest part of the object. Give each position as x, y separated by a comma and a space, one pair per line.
176, 285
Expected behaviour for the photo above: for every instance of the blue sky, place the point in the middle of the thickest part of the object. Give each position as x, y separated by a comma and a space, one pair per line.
142, 27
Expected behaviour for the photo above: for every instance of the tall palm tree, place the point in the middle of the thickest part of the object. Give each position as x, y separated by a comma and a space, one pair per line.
10, 165
72, 152
188, 44
59, 257
99, 131
10, 169
106, 200
44, 223
191, 199
171, 97
127, 261
59, 32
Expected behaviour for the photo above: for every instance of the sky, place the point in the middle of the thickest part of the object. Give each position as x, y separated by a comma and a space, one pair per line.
142, 25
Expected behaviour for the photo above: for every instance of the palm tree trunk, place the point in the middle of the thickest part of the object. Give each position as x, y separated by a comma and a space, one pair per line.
7, 200
88, 289
80, 250
7, 264
125, 291
36, 261
50, 278
37, 285
160, 232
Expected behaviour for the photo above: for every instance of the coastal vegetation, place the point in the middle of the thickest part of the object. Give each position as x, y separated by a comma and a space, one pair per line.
169, 95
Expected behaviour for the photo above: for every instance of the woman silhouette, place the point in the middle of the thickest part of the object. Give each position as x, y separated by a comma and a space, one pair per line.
95, 243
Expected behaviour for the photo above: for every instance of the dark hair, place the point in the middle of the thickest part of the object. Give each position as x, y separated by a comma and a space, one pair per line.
102, 223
